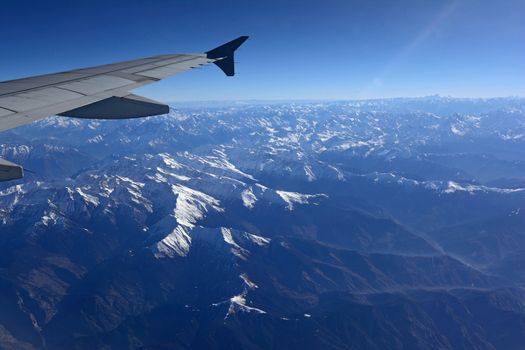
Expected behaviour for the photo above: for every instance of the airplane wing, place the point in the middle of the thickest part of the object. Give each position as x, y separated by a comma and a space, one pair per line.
101, 92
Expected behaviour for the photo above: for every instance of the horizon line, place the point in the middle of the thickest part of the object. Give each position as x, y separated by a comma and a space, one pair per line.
515, 97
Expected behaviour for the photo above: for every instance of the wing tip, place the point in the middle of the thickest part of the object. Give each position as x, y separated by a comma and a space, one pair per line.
227, 49
224, 55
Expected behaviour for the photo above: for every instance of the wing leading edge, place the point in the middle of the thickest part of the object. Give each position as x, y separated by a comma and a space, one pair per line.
101, 92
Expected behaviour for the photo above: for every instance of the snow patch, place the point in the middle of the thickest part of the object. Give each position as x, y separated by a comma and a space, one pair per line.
172, 163
88, 198
259, 240
340, 175
515, 212
309, 173
292, 198
247, 281
175, 176
227, 236
134, 189
96, 139
177, 242
236, 249
49, 219
248, 198
455, 129
453, 187
238, 304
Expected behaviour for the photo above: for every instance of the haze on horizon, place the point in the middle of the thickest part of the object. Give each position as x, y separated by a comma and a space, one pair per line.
298, 49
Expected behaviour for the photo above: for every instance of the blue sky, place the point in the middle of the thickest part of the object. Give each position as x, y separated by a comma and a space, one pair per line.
299, 49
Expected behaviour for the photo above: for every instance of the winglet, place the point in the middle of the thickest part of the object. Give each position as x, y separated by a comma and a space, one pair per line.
225, 53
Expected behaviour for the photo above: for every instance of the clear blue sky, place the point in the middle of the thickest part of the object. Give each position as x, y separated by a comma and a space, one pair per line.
299, 49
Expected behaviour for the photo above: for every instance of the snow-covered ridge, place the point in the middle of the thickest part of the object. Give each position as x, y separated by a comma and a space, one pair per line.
197, 163
292, 198
87, 197
177, 242
453, 187
192, 205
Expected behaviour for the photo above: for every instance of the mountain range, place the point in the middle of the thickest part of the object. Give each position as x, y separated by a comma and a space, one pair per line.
396, 223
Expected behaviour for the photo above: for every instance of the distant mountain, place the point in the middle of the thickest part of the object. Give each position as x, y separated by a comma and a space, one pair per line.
375, 224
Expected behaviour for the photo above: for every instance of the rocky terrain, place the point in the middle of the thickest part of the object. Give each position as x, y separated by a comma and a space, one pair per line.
336, 225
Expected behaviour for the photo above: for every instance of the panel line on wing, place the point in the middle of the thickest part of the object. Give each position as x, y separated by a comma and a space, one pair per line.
87, 77
65, 89
10, 111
